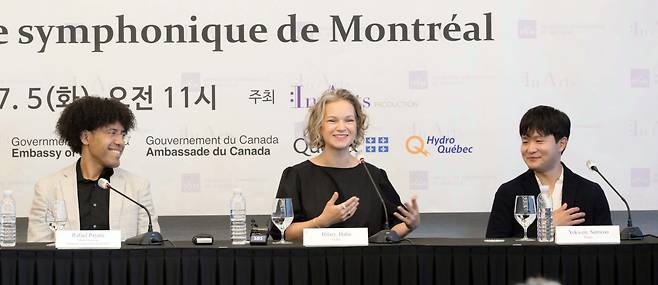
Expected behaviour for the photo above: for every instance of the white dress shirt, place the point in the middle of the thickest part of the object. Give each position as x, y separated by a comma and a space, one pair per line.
556, 196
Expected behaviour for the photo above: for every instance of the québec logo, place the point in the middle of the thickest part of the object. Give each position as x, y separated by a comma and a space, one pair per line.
376, 144
442, 145
301, 146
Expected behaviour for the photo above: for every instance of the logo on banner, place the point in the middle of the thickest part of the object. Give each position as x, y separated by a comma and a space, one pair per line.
640, 177
300, 146
548, 80
190, 182
418, 79
418, 180
416, 145
376, 144
643, 128
441, 145
640, 78
527, 29
644, 29
299, 100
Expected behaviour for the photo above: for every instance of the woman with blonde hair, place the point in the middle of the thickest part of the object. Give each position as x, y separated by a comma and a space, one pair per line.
333, 189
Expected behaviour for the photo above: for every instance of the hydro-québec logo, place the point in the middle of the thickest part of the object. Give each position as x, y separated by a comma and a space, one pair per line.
441, 145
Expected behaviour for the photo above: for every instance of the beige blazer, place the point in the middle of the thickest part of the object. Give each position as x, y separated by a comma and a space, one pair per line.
124, 214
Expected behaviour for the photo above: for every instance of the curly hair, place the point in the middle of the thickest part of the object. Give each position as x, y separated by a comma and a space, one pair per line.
316, 114
88, 114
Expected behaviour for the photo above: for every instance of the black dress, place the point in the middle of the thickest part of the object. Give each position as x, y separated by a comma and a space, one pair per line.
310, 186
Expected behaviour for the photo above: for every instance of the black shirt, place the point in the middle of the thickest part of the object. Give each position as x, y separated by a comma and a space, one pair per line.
93, 201
310, 186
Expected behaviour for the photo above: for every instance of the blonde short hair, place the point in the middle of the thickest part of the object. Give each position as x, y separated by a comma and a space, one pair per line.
316, 114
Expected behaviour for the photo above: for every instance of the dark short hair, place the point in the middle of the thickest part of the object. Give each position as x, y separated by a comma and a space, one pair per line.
90, 113
546, 121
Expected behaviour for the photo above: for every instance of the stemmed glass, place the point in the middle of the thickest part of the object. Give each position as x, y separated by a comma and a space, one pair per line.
56, 216
282, 216
525, 212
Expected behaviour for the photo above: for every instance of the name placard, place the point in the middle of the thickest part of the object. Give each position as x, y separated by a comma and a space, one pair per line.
336, 237
88, 239
587, 235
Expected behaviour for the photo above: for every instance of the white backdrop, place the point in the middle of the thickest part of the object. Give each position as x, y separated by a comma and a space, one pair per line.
595, 60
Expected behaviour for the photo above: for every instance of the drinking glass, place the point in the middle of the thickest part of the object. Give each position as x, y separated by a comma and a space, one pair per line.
56, 216
525, 212
282, 216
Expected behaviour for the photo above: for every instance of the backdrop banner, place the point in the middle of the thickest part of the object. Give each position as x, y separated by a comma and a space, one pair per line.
221, 91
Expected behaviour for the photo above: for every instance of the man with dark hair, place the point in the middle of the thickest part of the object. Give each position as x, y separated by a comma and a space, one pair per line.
544, 135
96, 129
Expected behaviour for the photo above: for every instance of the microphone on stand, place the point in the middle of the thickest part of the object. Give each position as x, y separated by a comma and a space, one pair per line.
148, 238
630, 232
386, 235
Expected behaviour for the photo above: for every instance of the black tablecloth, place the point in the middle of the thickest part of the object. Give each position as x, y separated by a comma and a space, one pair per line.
418, 261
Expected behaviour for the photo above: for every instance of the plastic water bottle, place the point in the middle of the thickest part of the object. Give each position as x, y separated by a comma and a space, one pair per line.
8, 220
238, 218
545, 228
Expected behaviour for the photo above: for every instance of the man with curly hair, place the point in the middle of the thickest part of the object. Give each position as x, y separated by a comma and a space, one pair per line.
96, 129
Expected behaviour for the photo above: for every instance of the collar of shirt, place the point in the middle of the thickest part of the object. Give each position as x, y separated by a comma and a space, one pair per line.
556, 196
106, 173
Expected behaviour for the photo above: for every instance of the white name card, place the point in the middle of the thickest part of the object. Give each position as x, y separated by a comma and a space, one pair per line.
336, 237
88, 239
587, 235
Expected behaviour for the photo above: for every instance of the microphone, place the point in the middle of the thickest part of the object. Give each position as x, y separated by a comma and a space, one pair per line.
148, 238
386, 235
630, 232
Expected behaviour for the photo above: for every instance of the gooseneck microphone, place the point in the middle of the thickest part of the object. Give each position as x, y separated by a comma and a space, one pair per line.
630, 232
148, 238
386, 235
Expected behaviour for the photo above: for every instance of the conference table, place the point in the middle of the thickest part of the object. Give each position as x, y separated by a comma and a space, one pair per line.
413, 261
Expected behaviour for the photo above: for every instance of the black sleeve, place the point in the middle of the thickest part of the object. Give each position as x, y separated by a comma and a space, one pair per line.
500, 222
289, 187
601, 207
390, 196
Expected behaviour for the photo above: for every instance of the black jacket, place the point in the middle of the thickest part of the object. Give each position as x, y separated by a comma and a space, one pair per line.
576, 192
